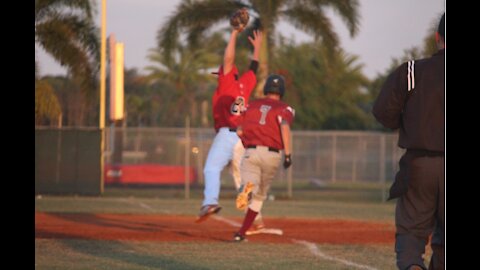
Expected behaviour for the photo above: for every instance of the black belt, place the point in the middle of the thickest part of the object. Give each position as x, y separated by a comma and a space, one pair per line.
269, 148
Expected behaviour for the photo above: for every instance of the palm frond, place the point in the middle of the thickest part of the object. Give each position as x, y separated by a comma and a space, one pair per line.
84, 33
269, 10
66, 30
193, 17
59, 38
312, 21
45, 7
348, 11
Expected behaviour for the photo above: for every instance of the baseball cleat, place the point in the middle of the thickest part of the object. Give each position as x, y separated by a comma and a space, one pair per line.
206, 211
237, 238
244, 196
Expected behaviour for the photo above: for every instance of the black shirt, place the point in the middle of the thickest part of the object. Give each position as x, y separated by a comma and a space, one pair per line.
413, 100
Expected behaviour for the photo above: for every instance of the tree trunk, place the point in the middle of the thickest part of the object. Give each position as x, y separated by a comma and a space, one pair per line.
205, 113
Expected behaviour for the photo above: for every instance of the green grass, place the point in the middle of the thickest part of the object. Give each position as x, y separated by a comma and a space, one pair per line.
277, 208
82, 254
301, 190
358, 201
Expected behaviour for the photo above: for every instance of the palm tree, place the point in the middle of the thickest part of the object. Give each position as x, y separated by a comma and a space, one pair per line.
187, 72
327, 92
47, 106
65, 29
75, 110
195, 17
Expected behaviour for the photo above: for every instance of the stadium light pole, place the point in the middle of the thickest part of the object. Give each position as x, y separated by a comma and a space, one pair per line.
103, 51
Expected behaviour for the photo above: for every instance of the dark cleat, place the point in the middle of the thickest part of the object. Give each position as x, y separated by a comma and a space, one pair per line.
206, 211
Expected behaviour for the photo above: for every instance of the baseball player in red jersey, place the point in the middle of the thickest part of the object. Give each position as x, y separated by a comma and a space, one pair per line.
229, 100
265, 132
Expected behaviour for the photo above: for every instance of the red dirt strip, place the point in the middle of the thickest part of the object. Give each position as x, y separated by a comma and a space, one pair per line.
183, 229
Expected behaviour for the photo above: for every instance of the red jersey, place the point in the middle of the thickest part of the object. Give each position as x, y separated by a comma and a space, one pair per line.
231, 97
261, 122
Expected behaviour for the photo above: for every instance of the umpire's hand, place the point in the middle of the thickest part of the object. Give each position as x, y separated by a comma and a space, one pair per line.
287, 162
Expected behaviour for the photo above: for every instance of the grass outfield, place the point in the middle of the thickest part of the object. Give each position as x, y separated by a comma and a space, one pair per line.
359, 201
340, 201
277, 208
301, 190
92, 254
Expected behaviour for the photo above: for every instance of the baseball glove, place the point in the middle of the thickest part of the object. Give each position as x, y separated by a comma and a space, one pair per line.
239, 19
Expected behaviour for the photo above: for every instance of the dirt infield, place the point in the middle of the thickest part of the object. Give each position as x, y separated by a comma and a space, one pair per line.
183, 229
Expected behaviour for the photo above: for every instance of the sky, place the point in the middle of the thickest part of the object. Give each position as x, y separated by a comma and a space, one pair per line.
387, 28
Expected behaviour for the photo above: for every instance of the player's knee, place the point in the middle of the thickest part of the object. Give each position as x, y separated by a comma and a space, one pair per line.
256, 205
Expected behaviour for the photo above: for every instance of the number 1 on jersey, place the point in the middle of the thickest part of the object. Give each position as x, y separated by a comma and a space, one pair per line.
264, 109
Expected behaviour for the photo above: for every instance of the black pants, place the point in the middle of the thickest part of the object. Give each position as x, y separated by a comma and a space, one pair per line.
421, 211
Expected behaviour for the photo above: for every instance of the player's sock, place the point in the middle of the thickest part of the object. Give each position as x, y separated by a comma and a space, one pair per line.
247, 221
258, 219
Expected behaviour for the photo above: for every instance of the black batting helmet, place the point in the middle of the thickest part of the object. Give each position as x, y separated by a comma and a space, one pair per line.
275, 84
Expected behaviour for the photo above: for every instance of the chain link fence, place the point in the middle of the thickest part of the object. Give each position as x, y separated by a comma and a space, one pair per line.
318, 156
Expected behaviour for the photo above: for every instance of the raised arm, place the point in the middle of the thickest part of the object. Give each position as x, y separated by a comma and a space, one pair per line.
256, 41
229, 56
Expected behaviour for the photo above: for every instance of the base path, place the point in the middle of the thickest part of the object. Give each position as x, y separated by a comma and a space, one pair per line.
184, 229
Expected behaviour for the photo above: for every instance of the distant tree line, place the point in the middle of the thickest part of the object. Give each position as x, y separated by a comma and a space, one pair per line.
325, 84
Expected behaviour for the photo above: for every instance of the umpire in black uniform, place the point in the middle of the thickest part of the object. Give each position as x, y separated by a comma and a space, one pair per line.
413, 101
